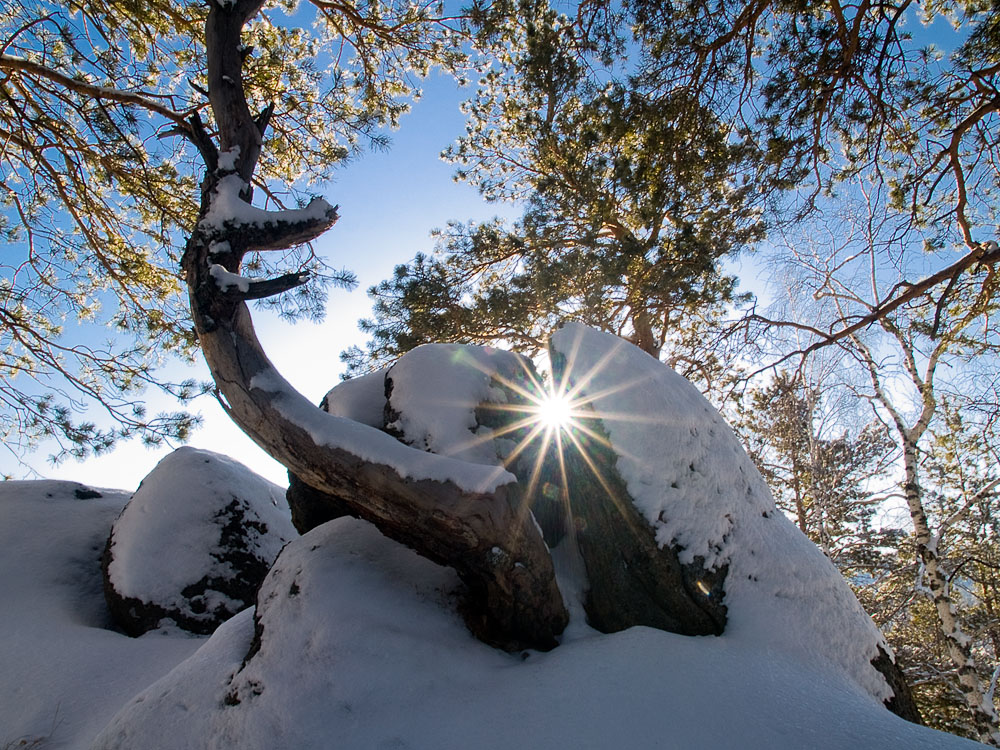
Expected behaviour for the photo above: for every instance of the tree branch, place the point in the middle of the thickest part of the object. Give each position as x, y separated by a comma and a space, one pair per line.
480, 526
99, 93
986, 253
276, 286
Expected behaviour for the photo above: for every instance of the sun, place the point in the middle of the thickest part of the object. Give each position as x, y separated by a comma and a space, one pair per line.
555, 411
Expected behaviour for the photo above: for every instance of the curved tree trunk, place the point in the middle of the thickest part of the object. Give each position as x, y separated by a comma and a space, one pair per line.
441, 508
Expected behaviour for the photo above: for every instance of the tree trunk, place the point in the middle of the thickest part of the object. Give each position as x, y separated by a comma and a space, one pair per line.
984, 716
480, 528
488, 537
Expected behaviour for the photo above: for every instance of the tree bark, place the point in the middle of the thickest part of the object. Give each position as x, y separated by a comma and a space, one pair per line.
487, 536
982, 712
984, 716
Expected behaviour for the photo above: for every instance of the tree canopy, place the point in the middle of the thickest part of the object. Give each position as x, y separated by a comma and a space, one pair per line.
101, 104
633, 195
649, 141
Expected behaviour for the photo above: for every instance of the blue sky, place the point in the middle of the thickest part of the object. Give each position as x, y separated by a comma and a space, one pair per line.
389, 203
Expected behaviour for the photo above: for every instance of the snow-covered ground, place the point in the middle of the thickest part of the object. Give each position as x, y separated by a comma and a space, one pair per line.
64, 671
355, 641
369, 654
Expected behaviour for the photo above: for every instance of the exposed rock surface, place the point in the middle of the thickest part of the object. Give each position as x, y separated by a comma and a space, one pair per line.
677, 516
193, 543
675, 528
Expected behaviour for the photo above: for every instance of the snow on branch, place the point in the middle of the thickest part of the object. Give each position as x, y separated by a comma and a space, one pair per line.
247, 289
373, 445
258, 228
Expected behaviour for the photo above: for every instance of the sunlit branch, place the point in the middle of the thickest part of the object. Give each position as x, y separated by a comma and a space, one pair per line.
10, 62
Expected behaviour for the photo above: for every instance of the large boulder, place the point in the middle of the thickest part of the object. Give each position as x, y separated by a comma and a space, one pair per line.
674, 520
193, 543
646, 487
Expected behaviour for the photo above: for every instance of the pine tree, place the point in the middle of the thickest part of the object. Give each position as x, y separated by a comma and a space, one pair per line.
634, 194
100, 182
598, 121
824, 477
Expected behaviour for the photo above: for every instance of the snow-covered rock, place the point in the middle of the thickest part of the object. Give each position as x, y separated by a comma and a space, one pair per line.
429, 399
435, 390
704, 501
676, 526
356, 642
193, 543
360, 399
356, 646
63, 671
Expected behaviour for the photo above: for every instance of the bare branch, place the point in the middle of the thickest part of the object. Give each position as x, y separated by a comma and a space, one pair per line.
986, 253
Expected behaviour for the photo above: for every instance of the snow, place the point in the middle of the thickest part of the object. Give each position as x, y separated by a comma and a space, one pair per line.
373, 445
63, 672
169, 536
435, 391
691, 479
361, 646
225, 279
361, 649
228, 208
228, 159
359, 399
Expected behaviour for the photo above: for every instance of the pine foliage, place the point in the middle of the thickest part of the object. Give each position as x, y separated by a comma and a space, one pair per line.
634, 194
100, 188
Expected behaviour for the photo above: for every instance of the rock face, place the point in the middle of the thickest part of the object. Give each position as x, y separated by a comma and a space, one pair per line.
682, 521
193, 544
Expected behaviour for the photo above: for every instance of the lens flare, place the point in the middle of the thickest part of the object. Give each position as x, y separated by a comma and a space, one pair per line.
555, 411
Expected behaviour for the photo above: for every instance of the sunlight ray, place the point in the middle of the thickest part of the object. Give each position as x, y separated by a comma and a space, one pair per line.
619, 502
523, 423
593, 434
593, 396
536, 470
584, 380
524, 443
619, 452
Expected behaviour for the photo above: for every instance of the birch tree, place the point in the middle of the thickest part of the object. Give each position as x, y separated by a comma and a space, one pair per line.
921, 354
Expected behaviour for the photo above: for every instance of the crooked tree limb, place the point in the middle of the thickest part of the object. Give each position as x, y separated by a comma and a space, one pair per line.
485, 536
